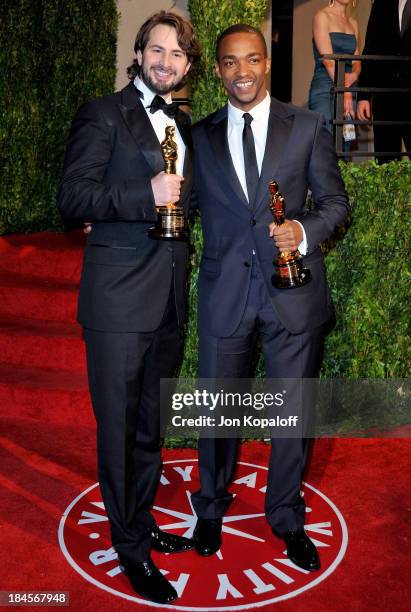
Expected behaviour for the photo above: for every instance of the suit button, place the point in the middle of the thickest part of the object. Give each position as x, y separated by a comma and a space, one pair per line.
253, 222
169, 249
247, 265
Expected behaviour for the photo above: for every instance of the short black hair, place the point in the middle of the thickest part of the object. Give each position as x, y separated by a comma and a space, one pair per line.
235, 29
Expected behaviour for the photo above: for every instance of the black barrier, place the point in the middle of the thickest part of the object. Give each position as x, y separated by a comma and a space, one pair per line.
339, 90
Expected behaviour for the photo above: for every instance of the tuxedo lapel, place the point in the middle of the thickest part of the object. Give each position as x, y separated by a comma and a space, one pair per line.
183, 125
140, 127
139, 124
217, 134
279, 128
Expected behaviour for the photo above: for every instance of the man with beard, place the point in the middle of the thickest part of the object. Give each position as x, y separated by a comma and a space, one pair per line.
239, 149
131, 301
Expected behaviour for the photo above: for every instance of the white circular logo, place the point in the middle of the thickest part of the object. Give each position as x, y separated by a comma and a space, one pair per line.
249, 571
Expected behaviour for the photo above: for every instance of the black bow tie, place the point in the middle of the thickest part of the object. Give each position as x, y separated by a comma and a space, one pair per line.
159, 103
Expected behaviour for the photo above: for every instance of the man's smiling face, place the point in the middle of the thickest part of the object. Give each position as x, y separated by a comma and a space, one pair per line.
163, 62
243, 65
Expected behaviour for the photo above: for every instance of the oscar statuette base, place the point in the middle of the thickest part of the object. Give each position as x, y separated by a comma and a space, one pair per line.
170, 224
289, 272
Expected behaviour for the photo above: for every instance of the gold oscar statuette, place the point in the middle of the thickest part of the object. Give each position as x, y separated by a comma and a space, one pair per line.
289, 271
170, 224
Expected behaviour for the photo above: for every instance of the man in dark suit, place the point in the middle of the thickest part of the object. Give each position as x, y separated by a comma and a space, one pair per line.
388, 33
132, 291
238, 150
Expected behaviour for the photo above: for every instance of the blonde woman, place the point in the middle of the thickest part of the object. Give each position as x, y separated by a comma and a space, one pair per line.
334, 31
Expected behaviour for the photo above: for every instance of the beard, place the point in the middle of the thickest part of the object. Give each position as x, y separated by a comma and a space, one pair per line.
159, 87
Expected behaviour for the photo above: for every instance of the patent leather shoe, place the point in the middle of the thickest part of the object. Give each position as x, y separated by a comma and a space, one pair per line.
301, 551
207, 536
147, 581
164, 542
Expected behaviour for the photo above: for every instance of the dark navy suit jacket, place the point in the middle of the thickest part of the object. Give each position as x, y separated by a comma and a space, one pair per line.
112, 154
299, 155
383, 37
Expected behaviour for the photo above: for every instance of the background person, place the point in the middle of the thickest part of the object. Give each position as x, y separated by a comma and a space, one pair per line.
388, 33
334, 31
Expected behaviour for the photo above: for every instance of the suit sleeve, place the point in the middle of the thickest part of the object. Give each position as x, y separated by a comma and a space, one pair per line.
371, 47
83, 193
330, 201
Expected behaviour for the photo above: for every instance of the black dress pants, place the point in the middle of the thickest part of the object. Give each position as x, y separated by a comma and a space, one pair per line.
124, 371
286, 355
392, 107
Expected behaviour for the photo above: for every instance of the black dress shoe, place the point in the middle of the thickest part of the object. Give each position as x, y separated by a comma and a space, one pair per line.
147, 581
301, 551
207, 536
162, 541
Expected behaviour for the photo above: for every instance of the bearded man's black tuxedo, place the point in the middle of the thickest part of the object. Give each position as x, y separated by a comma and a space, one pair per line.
384, 37
131, 301
237, 301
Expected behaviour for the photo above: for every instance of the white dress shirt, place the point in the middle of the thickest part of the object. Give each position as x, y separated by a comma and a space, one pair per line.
401, 5
260, 114
160, 121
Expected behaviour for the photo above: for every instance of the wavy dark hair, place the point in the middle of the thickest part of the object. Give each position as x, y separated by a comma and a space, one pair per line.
185, 38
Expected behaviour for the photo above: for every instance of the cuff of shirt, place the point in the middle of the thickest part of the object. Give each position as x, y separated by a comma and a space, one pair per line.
303, 246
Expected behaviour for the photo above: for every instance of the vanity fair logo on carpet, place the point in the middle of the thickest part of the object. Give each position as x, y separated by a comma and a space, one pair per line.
250, 570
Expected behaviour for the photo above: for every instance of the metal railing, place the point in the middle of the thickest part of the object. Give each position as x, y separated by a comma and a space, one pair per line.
339, 89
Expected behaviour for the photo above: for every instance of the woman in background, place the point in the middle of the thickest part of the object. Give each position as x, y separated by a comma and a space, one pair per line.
334, 31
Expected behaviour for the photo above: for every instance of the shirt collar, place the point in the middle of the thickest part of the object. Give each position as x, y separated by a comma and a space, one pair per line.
148, 95
235, 115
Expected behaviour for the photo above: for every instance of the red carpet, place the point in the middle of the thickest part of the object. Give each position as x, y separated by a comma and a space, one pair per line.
42, 361
47, 459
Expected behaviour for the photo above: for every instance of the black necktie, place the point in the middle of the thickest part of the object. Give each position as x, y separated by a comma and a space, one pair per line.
406, 17
159, 103
250, 159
